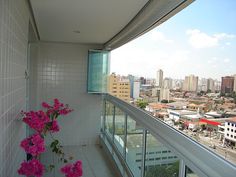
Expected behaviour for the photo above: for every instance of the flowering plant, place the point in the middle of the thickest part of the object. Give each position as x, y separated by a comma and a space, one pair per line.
44, 122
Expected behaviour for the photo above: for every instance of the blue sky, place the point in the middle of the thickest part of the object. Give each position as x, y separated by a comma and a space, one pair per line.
199, 40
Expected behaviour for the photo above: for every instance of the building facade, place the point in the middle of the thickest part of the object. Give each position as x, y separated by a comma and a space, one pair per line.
159, 79
191, 83
227, 84
210, 85
119, 87
230, 131
136, 89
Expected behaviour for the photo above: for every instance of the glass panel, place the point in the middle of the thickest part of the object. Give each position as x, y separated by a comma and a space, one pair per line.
109, 119
98, 70
119, 134
134, 146
189, 172
159, 161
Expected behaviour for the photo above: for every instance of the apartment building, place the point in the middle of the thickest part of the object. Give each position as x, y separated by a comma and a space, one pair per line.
61, 49
230, 131
191, 83
119, 87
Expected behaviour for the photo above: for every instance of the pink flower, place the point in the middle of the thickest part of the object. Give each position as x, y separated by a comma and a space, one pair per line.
65, 111
57, 105
45, 105
54, 127
36, 120
73, 170
31, 168
33, 145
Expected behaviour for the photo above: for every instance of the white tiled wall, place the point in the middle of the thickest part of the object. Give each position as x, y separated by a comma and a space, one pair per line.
14, 19
60, 71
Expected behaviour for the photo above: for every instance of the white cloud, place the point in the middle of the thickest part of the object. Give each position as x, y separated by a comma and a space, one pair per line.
226, 60
224, 36
159, 36
200, 39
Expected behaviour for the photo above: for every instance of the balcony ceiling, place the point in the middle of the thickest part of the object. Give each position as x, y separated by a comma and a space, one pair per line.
96, 20
108, 22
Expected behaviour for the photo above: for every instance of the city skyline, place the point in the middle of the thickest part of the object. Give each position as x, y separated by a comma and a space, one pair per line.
199, 44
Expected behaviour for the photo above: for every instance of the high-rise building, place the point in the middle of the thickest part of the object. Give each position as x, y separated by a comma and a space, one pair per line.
159, 79
143, 80
119, 87
191, 83
210, 85
131, 81
164, 94
217, 85
167, 83
136, 89
227, 84
177, 84
203, 84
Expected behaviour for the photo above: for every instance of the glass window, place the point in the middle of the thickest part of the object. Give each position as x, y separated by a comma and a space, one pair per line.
134, 146
162, 166
109, 119
119, 134
98, 70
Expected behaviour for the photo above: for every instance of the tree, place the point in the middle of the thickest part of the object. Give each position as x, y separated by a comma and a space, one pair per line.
142, 103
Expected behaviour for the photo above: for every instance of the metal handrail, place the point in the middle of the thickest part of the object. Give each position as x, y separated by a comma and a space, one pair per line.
197, 157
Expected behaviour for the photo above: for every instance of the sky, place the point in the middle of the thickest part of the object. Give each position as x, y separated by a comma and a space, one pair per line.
199, 40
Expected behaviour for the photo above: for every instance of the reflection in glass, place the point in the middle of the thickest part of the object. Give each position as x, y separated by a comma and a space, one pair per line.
109, 119
134, 146
119, 129
159, 160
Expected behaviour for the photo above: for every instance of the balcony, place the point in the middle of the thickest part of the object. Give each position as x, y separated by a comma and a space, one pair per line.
44, 48
142, 145
135, 144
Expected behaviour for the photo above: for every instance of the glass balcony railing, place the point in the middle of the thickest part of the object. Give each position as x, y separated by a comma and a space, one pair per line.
142, 146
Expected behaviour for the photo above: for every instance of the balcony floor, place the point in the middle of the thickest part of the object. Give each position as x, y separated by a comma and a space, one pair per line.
95, 162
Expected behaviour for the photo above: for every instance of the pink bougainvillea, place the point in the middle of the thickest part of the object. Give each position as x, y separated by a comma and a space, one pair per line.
73, 170
56, 109
36, 120
31, 168
44, 122
33, 145
54, 127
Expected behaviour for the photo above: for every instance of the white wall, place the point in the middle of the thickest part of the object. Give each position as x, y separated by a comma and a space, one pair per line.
60, 71
14, 19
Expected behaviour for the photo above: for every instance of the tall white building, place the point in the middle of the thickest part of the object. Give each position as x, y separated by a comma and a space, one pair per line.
167, 83
203, 84
217, 85
191, 83
165, 94
136, 89
211, 85
159, 79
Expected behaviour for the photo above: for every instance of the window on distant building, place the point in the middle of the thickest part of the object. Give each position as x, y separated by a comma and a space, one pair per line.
228, 129
227, 134
228, 123
231, 136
